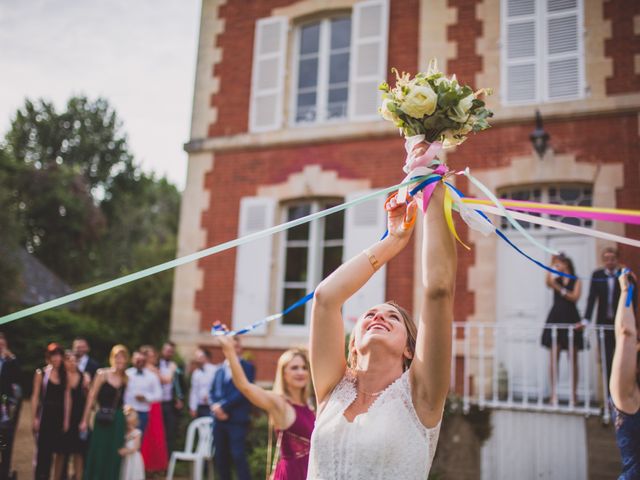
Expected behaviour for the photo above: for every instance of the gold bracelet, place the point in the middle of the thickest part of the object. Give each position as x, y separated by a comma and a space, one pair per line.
372, 259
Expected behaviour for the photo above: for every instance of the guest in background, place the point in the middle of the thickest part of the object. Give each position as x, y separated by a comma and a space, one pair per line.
143, 388
47, 406
230, 410
154, 442
171, 378
288, 406
566, 292
11, 396
624, 385
103, 459
71, 444
201, 382
132, 464
605, 291
86, 364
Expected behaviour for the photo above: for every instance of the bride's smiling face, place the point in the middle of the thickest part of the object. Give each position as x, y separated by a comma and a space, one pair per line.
382, 325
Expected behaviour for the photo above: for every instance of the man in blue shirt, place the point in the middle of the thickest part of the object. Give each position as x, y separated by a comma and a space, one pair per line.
230, 410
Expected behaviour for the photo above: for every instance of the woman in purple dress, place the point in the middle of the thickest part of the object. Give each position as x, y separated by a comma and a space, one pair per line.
288, 406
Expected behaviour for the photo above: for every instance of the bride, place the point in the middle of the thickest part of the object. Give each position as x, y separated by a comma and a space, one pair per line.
380, 409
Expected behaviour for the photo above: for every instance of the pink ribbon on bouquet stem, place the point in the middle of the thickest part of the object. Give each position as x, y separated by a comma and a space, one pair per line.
419, 165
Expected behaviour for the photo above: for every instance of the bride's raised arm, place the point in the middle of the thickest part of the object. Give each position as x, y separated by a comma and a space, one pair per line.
431, 366
327, 345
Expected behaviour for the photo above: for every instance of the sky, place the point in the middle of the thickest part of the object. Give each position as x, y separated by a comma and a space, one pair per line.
138, 54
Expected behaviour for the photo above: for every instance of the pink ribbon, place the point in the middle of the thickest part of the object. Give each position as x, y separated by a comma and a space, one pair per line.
418, 166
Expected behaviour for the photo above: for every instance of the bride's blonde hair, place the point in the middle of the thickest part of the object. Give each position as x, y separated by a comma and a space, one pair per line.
412, 334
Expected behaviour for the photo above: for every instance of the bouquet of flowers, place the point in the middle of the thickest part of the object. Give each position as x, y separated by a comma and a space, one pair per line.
435, 106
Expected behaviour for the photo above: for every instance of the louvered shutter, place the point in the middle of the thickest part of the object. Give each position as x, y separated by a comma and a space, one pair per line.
520, 51
364, 224
251, 292
564, 50
369, 39
267, 76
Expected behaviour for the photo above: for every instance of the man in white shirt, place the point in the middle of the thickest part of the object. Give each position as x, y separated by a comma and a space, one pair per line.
143, 388
201, 381
172, 392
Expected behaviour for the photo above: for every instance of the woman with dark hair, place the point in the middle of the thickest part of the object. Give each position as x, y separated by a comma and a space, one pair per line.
47, 406
71, 444
624, 384
564, 313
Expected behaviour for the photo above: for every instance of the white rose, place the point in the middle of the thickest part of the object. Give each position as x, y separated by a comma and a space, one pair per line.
385, 112
460, 113
420, 101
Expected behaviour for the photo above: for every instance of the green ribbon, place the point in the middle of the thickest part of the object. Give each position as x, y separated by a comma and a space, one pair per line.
132, 277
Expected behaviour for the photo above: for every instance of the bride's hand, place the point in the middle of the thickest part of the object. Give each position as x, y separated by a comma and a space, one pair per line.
401, 218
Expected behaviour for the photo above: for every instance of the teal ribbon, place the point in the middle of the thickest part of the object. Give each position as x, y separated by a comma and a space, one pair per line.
132, 277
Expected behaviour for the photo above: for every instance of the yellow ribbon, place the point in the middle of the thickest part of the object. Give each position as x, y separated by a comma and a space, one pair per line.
448, 215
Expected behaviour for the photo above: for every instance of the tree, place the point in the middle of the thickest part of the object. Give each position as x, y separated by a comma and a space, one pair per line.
71, 193
59, 167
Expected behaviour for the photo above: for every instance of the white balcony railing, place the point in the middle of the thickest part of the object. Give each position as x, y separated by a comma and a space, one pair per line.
505, 366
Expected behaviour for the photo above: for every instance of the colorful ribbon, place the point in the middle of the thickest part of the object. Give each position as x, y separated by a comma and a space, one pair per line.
505, 213
132, 277
593, 213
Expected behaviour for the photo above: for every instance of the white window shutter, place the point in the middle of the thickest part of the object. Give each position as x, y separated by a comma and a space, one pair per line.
520, 51
369, 39
251, 292
564, 50
267, 76
364, 225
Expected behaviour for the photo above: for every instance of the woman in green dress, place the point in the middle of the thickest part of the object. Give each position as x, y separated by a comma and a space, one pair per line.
103, 460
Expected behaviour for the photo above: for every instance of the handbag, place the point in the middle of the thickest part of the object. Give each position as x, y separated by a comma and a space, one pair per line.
106, 415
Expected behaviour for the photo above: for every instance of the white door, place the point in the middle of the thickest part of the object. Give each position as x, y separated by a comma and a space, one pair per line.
523, 303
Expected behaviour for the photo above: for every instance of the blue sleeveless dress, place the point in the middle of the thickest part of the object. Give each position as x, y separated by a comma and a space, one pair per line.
628, 439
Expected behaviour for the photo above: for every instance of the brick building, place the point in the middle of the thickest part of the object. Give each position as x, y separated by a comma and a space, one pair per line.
285, 123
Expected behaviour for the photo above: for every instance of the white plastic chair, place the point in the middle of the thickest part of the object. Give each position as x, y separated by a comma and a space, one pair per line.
203, 451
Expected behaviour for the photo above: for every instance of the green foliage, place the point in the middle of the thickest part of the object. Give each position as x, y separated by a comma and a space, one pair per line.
71, 194
58, 167
257, 444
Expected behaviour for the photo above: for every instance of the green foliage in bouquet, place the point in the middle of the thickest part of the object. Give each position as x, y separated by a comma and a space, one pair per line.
435, 106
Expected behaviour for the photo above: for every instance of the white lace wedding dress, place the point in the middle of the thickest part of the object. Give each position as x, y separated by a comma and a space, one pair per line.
386, 442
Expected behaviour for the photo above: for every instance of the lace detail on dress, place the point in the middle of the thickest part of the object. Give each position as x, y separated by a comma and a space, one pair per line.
387, 441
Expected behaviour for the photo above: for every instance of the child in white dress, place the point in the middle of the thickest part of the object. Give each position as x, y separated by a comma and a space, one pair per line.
132, 466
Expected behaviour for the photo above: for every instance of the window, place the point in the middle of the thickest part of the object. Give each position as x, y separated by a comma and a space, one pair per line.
578, 195
311, 252
321, 61
542, 50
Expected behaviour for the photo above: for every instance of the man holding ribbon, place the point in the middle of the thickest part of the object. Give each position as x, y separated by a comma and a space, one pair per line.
605, 290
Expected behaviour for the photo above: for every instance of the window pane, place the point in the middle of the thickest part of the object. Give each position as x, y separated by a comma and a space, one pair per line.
309, 38
334, 225
308, 73
306, 113
340, 33
301, 232
292, 295
337, 107
331, 260
339, 68
296, 270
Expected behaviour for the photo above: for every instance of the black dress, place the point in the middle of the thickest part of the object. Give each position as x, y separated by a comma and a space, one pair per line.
51, 423
564, 312
71, 442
